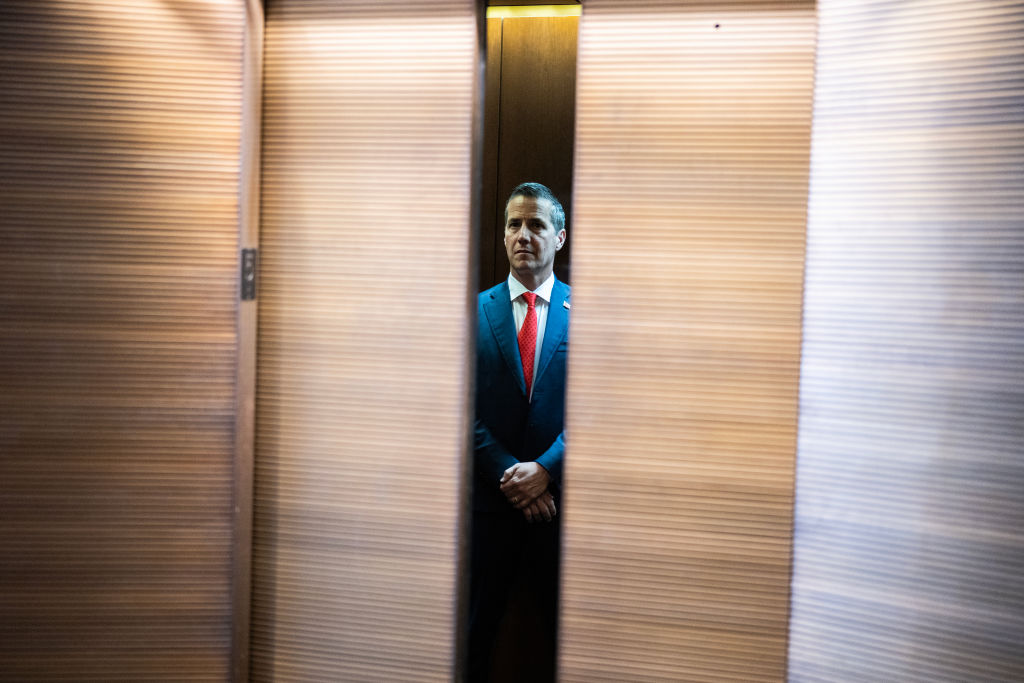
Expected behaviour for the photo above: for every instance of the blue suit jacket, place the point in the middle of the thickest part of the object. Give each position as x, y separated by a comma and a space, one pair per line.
510, 428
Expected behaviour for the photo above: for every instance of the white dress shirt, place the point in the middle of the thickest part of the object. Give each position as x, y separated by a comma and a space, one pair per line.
541, 305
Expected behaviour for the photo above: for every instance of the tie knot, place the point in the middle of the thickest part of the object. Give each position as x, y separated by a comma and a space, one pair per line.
530, 299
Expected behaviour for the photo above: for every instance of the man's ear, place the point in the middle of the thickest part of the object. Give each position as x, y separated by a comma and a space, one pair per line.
561, 239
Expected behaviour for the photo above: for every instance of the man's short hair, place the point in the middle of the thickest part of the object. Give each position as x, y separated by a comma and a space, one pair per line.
538, 191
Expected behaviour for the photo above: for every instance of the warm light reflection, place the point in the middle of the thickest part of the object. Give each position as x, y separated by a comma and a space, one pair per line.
505, 12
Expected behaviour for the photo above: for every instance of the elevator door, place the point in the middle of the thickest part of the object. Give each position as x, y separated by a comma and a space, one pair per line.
363, 339
121, 129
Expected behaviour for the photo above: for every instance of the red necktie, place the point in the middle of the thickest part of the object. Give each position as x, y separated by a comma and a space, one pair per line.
528, 339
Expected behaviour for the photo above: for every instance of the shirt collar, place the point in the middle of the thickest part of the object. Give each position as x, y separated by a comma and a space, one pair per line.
516, 288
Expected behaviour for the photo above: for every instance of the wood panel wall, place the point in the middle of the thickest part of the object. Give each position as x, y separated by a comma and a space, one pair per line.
529, 125
909, 551
364, 338
120, 130
692, 149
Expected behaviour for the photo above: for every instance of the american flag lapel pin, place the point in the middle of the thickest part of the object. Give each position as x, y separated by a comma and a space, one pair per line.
566, 305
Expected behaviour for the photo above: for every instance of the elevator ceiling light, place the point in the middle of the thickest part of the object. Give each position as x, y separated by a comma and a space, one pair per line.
533, 11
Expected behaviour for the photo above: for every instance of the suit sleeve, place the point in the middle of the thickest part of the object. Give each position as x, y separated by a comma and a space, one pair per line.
552, 458
491, 457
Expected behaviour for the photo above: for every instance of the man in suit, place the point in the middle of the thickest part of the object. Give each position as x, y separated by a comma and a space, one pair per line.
519, 445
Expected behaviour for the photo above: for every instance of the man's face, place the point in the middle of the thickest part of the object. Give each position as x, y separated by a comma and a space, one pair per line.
531, 240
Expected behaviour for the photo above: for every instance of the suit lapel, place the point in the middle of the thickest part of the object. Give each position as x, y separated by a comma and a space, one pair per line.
498, 310
556, 328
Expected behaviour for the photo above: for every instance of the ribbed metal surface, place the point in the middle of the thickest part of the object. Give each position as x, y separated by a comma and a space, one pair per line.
363, 339
692, 150
119, 131
909, 557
